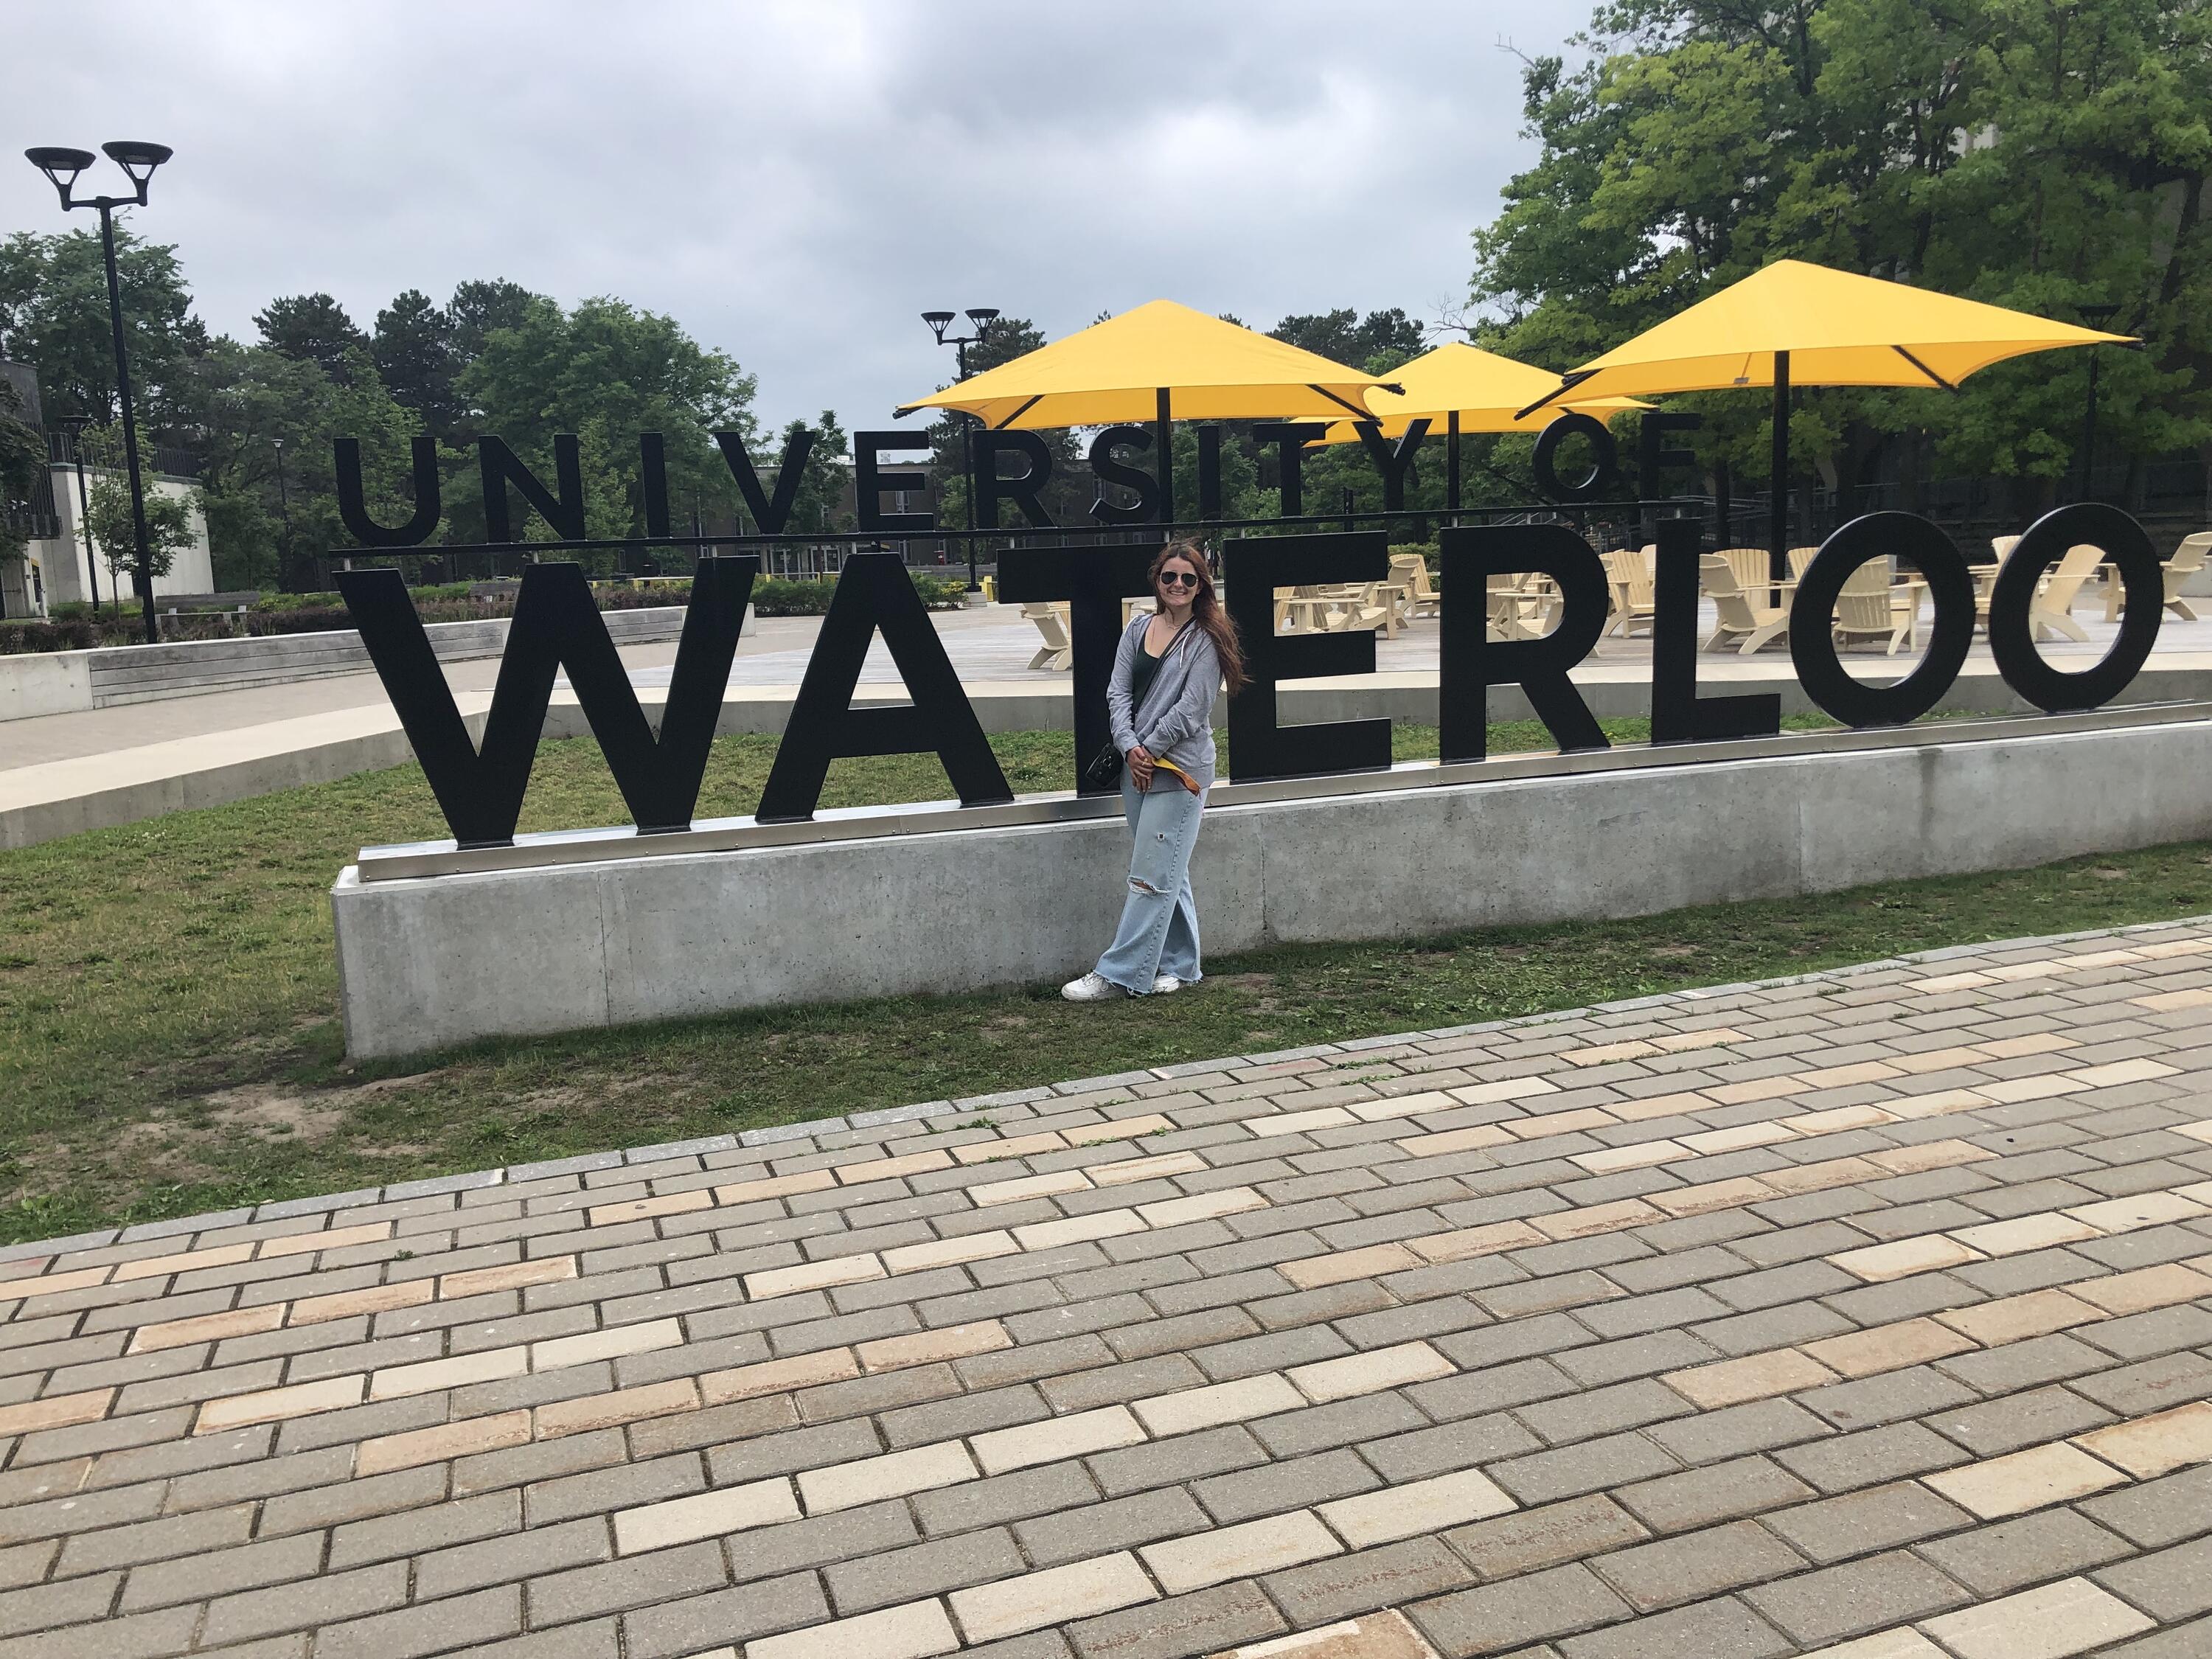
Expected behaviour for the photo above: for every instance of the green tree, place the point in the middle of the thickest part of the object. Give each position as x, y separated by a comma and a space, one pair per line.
1374, 343
22, 459
54, 316
818, 504
110, 521
607, 372
2039, 156
479, 310
252, 397
310, 328
413, 350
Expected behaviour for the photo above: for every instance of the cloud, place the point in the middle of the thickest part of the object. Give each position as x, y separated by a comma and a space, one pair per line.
796, 182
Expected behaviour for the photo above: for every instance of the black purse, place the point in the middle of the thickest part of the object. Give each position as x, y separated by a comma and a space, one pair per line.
1104, 771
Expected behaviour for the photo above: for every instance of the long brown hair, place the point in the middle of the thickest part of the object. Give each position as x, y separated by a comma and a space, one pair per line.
1206, 610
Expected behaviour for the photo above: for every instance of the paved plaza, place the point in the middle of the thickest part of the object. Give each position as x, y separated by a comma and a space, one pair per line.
1867, 1315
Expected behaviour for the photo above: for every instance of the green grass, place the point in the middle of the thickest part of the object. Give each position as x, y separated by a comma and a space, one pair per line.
169, 1040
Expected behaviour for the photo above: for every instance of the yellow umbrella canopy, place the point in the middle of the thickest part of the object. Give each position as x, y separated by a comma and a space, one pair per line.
1836, 329
1486, 393
1796, 324
1116, 371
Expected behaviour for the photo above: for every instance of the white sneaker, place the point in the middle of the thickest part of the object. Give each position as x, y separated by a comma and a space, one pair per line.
1092, 987
1165, 984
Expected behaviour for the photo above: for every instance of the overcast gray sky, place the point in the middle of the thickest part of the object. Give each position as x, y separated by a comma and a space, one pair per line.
795, 183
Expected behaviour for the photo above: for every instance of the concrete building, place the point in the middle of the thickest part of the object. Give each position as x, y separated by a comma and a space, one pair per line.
56, 567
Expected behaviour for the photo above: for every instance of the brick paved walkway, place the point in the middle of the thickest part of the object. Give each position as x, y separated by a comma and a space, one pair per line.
1869, 1314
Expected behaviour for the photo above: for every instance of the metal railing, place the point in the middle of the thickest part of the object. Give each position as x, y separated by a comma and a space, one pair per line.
168, 460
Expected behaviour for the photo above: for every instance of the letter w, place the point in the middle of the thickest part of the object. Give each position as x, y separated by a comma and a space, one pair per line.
556, 626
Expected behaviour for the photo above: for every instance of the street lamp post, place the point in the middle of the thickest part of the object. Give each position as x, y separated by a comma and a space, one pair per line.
61, 165
982, 317
2094, 316
73, 425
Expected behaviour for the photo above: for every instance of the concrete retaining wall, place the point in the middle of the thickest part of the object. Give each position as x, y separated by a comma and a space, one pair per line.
65, 682
428, 963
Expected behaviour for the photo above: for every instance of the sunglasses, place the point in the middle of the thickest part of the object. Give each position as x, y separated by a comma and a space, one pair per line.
1178, 579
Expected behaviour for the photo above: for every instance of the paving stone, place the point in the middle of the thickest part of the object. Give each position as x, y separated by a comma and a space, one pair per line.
2158, 1512
2174, 1584
1723, 1629
1537, 1538
1858, 1596
1994, 1559
1495, 1618
1862, 1522
1698, 1497
1100, 1528
1340, 1587
1543, 1386
2071, 1617
1211, 1621
1696, 1566
924, 1570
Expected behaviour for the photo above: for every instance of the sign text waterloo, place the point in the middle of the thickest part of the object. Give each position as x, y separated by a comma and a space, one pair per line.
557, 627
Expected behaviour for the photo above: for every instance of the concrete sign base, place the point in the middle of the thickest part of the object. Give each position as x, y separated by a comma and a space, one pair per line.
432, 961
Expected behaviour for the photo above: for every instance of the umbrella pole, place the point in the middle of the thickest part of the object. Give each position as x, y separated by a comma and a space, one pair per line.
1777, 527
1163, 430
1451, 460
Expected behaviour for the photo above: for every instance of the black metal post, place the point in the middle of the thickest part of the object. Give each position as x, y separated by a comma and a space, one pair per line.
145, 556
1451, 460
2089, 432
1164, 441
285, 506
1778, 521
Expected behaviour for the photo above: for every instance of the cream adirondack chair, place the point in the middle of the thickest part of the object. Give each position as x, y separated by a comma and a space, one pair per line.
1057, 651
1365, 605
1870, 607
1628, 575
1517, 607
2052, 607
1739, 616
1411, 572
2188, 559
1800, 557
1751, 566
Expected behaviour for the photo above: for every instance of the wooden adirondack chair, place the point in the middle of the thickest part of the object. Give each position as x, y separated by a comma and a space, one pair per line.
1057, 651
1628, 575
2052, 607
1870, 607
2188, 559
1739, 616
1411, 572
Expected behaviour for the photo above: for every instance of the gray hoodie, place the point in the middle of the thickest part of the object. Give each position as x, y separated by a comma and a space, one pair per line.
1176, 721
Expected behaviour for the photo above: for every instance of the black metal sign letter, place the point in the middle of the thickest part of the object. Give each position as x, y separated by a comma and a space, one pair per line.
874, 591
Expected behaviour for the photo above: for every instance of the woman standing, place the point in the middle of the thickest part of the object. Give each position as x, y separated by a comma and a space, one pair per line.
1160, 701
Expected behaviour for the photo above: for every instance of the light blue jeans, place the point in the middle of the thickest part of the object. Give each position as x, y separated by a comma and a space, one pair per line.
1158, 932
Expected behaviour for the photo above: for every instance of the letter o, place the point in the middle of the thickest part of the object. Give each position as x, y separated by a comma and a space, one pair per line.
2012, 635
1813, 646
1605, 459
